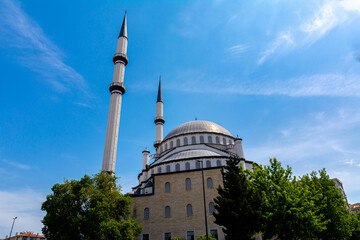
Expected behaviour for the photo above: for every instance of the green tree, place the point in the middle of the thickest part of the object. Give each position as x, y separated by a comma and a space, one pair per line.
89, 209
287, 211
355, 222
237, 205
331, 206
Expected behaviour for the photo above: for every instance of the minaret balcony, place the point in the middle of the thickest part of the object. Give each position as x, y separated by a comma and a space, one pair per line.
120, 57
159, 119
117, 87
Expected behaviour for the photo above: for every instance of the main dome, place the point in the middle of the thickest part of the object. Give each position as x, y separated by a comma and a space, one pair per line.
198, 127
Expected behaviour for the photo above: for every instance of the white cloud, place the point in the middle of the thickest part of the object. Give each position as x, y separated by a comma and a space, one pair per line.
25, 205
323, 21
17, 165
282, 40
351, 5
238, 49
38, 53
328, 16
335, 85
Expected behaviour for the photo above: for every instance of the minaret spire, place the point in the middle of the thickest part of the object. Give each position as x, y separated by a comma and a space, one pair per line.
159, 97
123, 31
117, 89
159, 119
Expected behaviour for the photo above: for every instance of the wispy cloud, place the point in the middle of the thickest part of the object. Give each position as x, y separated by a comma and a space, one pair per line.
318, 135
313, 28
334, 85
24, 204
238, 49
20, 32
323, 21
16, 164
282, 40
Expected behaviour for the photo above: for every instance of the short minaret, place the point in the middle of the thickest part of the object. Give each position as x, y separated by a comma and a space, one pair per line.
159, 119
145, 158
240, 151
239, 148
117, 89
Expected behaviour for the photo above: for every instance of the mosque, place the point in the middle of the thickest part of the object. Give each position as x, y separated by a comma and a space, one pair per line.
177, 183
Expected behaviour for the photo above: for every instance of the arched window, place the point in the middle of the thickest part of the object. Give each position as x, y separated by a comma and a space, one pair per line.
165, 146
168, 168
177, 142
193, 140
209, 183
161, 148
167, 211
209, 139
224, 141
201, 139
188, 184
189, 210
167, 187
217, 140
152, 171
218, 163
159, 170
177, 167
146, 213
185, 141
208, 163
187, 166
172, 144
197, 164
211, 208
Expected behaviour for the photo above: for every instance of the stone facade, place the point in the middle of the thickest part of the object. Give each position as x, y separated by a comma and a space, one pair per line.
178, 223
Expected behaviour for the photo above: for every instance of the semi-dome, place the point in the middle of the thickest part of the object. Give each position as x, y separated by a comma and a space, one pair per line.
198, 127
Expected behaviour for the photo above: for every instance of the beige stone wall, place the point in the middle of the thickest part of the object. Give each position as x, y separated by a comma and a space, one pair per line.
177, 199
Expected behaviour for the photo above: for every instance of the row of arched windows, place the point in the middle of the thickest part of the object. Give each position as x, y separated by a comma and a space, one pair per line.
189, 210
209, 184
193, 140
187, 166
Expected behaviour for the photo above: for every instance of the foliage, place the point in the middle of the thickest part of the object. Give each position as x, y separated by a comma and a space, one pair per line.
177, 238
91, 208
272, 201
330, 204
288, 210
237, 205
355, 223
203, 237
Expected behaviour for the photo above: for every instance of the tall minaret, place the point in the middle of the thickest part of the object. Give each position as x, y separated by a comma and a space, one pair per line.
159, 119
117, 89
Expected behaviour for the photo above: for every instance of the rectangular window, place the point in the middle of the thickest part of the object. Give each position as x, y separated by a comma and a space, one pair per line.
214, 233
146, 236
167, 236
190, 235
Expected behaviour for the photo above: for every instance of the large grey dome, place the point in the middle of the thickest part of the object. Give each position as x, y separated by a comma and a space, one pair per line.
198, 127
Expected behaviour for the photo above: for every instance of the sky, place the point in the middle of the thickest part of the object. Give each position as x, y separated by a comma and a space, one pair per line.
282, 75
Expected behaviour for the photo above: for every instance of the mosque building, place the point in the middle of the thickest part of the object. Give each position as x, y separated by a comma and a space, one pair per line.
178, 182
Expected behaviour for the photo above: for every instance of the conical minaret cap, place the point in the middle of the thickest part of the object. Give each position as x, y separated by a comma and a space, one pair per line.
123, 31
159, 97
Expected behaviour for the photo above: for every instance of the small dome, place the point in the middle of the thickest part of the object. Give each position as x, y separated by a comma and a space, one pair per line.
198, 127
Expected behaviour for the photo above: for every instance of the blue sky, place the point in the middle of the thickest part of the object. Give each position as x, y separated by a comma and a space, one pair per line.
283, 75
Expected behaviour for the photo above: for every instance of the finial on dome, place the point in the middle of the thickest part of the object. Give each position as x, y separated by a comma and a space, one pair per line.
195, 118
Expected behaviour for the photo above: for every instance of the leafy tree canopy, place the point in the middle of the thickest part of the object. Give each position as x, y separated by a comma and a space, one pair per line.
270, 200
238, 203
91, 208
